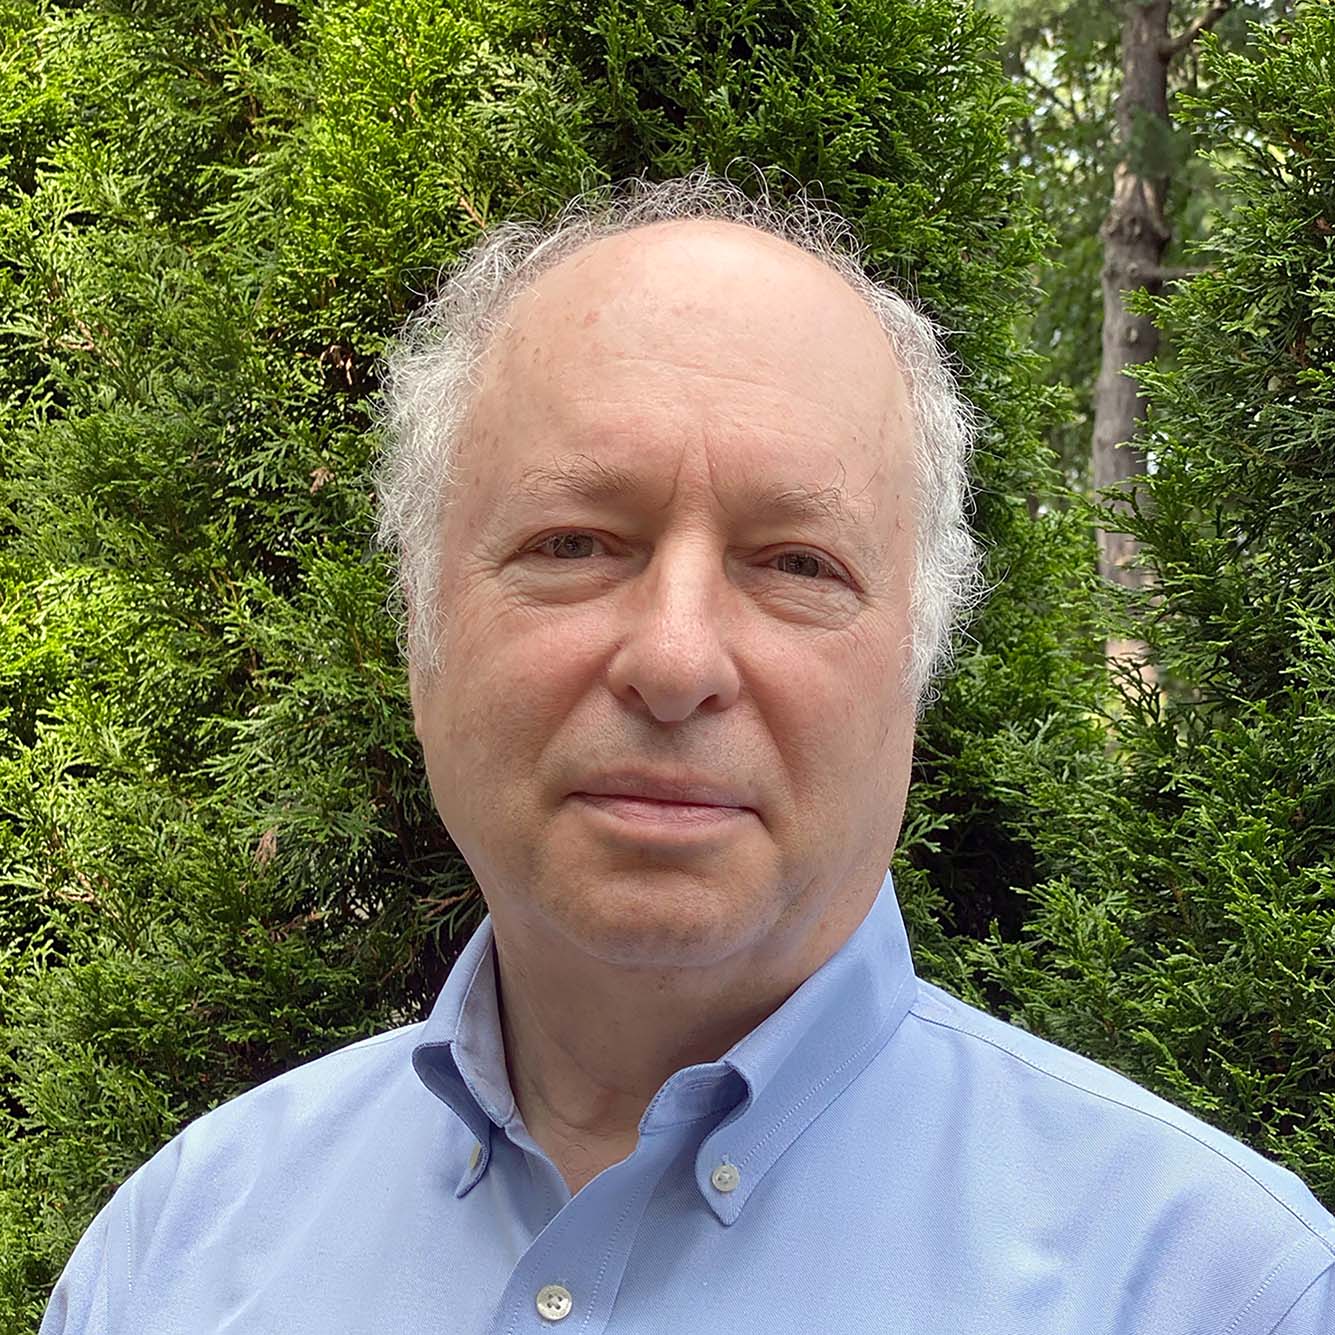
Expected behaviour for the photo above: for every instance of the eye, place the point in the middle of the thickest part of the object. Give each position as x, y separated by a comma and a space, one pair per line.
566, 547
811, 559
564, 542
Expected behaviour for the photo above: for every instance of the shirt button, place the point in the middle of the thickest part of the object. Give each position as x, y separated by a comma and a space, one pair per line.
475, 1156
725, 1177
554, 1302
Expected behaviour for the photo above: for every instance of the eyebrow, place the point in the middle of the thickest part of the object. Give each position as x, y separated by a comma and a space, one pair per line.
583, 478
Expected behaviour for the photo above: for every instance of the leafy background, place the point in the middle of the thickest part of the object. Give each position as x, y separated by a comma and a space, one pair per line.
218, 855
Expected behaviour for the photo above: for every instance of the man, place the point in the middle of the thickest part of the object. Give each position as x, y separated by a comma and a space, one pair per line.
679, 500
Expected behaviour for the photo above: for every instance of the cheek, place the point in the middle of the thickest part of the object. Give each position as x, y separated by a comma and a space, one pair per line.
512, 676
528, 658
844, 715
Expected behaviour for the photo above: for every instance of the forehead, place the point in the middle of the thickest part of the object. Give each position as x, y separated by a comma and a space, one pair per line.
715, 295
694, 336
581, 477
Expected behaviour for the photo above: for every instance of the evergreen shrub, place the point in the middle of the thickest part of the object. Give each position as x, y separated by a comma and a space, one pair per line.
1185, 929
218, 856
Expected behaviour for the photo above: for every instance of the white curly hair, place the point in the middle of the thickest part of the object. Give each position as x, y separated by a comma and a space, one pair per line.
430, 378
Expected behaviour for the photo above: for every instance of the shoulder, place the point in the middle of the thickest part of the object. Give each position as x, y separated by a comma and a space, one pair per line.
1148, 1188
322, 1102
271, 1148
1101, 1098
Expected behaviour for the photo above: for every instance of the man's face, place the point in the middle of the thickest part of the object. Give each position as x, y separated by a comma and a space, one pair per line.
676, 625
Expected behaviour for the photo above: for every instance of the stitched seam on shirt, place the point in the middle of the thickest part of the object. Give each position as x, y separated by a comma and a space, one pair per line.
878, 1040
686, 1121
353, 1049
1265, 1284
607, 1255
129, 1269
1130, 1107
1252, 1301
374, 1040
1316, 1279
370, 1041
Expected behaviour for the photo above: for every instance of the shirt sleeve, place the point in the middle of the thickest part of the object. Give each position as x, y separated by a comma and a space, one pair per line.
1314, 1312
80, 1303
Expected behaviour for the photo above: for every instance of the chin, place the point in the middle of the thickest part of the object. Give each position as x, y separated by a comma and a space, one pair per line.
651, 919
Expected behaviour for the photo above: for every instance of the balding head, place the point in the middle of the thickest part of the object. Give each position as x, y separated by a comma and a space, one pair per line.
706, 279
432, 374
716, 329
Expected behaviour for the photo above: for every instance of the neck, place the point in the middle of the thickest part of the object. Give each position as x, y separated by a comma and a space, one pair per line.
588, 1044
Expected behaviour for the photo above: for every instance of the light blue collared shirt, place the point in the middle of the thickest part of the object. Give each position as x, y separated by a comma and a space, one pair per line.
876, 1156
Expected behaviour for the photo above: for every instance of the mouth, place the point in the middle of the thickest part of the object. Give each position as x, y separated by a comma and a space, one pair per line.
647, 813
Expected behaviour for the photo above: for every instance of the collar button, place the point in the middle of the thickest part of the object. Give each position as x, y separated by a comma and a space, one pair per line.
725, 1177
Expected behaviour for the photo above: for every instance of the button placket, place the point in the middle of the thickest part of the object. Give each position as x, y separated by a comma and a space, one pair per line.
578, 1260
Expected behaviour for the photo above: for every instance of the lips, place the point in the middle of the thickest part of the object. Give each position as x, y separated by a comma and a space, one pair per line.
685, 790
654, 814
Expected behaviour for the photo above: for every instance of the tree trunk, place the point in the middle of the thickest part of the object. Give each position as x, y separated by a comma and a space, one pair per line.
1135, 234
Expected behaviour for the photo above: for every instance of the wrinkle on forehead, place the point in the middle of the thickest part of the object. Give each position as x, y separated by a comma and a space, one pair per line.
582, 477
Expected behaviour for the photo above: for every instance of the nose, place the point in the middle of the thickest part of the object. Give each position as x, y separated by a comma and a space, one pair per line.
675, 654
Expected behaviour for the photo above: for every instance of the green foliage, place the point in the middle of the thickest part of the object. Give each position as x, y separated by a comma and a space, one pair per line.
218, 856
1186, 932
1066, 57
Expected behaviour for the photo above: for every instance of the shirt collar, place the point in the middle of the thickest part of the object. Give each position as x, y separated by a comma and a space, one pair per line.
772, 1084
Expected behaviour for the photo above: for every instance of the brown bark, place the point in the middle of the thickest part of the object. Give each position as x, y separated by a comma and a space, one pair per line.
1135, 234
